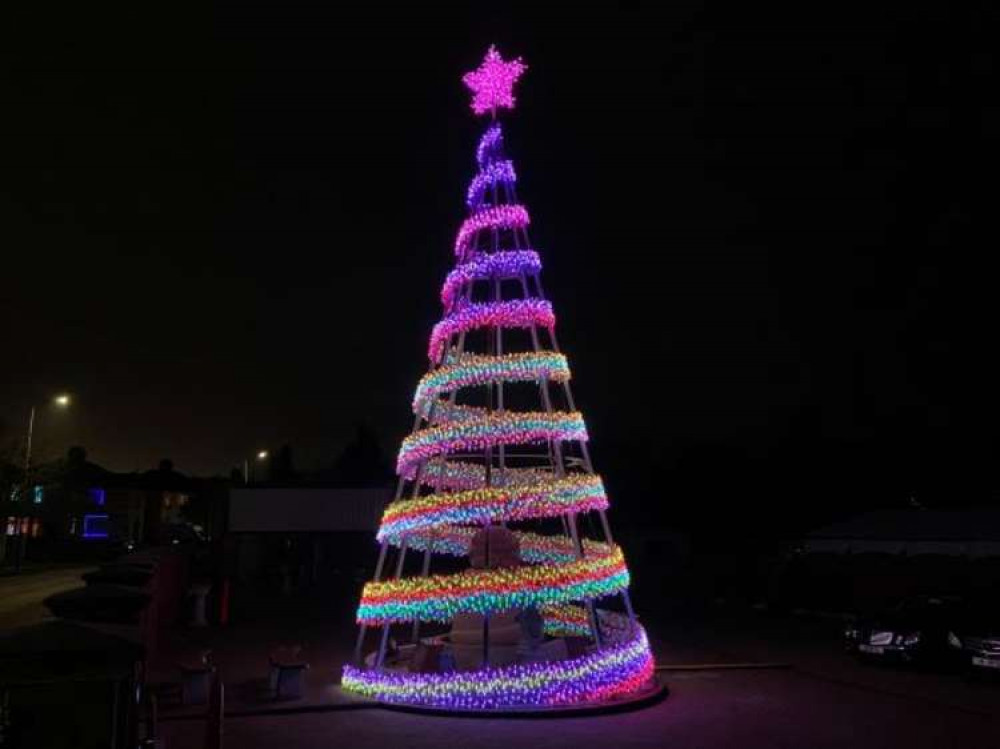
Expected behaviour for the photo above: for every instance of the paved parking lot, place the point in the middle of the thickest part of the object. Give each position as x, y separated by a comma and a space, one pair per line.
824, 699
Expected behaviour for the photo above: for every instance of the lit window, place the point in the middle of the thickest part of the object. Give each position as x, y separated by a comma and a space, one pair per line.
39, 494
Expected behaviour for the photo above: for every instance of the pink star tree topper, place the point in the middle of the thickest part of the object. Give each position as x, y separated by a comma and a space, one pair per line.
492, 83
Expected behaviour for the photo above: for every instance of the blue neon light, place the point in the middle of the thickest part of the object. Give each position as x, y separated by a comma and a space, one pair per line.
95, 526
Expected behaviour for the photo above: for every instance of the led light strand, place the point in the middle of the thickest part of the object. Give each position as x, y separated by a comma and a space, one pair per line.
618, 669
533, 548
473, 370
515, 313
495, 173
575, 493
458, 475
489, 144
513, 216
507, 264
482, 591
506, 428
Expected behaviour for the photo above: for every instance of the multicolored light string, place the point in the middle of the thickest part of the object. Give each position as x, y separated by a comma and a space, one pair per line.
508, 428
514, 313
473, 370
575, 493
617, 669
534, 548
440, 597
458, 475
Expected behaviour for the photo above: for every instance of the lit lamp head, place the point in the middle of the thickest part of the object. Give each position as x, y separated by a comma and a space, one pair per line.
262, 455
62, 400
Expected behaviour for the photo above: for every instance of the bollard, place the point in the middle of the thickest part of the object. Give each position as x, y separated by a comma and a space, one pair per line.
214, 719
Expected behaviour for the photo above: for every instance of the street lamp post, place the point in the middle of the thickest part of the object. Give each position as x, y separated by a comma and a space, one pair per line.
261, 456
60, 401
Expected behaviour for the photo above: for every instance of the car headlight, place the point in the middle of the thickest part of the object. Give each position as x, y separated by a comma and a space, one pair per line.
954, 640
911, 639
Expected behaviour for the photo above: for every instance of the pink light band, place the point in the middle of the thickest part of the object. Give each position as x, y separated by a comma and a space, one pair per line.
514, 216
514, 313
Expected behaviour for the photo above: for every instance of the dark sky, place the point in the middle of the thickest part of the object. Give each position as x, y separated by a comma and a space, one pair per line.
763, 233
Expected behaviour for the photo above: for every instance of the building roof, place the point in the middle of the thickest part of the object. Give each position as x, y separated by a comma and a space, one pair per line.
916, 525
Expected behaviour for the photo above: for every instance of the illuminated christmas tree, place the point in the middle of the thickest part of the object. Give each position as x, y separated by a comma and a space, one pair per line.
505, 603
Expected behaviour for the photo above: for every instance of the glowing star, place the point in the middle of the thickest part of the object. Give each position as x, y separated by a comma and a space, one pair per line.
492, 83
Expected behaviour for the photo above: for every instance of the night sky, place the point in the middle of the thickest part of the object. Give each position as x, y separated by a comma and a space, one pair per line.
764, 235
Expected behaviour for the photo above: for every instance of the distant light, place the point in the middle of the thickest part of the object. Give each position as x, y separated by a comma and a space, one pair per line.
62, 400
262, 455
39, 494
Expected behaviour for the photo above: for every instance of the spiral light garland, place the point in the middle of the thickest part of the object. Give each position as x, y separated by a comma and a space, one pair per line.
497, 265
473, 370
533, 548
575, 493
496, 173
489, 144
494, 217
440, 597
615, 670
515, 313
509, 428
458, 475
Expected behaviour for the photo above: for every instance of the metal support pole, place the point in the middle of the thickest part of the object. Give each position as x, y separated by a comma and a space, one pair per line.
363, 627
424, 571
380, 658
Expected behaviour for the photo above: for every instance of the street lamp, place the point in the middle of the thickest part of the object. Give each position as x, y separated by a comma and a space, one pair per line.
61, 401
261, 455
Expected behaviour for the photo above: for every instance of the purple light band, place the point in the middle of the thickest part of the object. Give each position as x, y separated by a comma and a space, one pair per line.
496, 173
498, 265
489, 144
617, 669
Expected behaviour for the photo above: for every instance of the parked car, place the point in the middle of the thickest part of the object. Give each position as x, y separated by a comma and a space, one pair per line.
974, 634
916, 631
